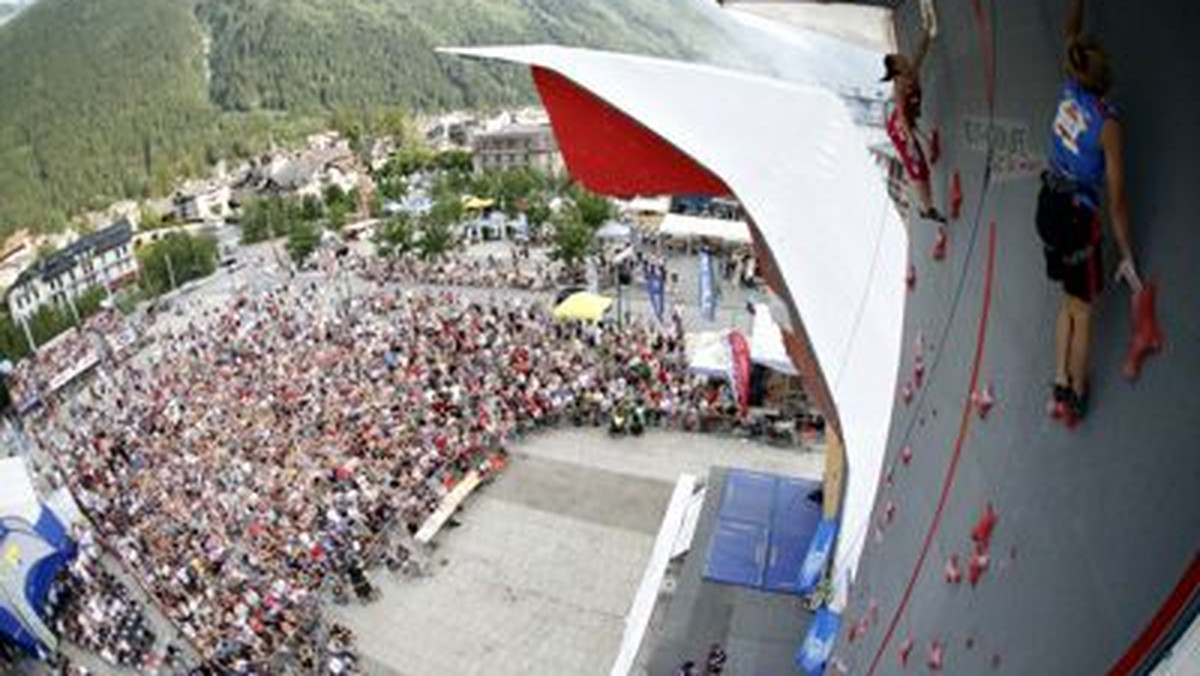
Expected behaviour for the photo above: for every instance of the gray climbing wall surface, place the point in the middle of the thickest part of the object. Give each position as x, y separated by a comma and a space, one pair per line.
1097, 529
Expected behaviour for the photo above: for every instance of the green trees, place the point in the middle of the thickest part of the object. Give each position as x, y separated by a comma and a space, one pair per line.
175, 260
312, 209
152, 91
573, 239
49, 321
303, 239
268, 218
437, 238
395, 236
594, 210
13, 345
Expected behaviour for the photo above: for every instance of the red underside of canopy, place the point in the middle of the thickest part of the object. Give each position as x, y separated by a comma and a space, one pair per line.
613, 154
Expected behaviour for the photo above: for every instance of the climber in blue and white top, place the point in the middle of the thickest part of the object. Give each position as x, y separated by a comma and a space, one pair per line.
1085, 163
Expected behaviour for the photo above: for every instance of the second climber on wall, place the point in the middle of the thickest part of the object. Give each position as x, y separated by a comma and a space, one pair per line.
904, 73
1085, 161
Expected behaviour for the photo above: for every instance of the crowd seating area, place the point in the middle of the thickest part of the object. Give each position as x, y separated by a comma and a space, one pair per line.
261, 461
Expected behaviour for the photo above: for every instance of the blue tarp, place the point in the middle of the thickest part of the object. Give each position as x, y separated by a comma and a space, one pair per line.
818, 644
748, 497
737, 553
817, 558
764, 525
793, 520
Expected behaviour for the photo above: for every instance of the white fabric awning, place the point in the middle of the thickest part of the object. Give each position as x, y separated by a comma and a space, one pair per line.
799, 165
614, 230
697, 227
648, 205
17, 497
708, 353
766, 342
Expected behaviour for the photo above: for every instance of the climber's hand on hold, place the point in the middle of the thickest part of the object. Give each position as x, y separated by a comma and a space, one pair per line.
1128, 272
929, 18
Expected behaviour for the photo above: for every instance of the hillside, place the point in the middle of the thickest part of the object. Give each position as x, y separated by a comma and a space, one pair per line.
113, 99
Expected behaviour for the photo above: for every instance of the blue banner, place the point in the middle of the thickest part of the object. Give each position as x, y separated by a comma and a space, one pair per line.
654, 287
818, 645
708, 286
817, 559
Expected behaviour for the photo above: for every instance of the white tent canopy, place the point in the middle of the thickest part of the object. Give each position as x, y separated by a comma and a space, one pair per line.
708, 353
697, 227
766, 342
17, 497
614, 230
648, 205
819, 203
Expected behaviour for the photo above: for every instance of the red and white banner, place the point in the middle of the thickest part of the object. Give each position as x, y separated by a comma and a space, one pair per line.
740, 369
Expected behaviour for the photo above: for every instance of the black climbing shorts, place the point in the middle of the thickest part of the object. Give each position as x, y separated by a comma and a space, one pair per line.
1070, 233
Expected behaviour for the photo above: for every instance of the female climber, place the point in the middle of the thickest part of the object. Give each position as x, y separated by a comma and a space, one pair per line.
905, 75
1085, 160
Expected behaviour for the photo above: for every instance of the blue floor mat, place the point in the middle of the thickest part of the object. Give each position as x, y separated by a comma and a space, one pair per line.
737, 553
748, 497
764, 526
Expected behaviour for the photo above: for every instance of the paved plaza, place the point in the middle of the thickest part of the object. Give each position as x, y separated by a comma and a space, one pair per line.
540, 574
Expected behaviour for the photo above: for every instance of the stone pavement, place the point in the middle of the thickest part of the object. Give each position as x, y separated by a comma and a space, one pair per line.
540, 574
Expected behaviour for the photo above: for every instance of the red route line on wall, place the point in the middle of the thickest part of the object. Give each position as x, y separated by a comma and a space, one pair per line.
1171, 612
952, 469
989, 54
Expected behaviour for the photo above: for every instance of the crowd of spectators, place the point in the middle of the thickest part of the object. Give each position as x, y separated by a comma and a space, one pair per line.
277, 443
471, 271
70, 354
95, 611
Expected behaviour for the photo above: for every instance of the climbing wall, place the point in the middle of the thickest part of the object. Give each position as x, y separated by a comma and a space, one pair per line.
1004, 542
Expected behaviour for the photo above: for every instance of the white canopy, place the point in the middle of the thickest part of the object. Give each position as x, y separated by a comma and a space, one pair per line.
648, 205
17, 497
708, 352
766, 342
695, 227
800, 167
614, 230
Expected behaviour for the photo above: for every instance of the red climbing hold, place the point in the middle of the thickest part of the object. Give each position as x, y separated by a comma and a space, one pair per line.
981, 534
906, 455
889, 513
937, 656
940, 244
984, 400
918, 371
1147, 334
856, 631
953, 571
935, 147
905, 650
977, 567
956, 196
910, 280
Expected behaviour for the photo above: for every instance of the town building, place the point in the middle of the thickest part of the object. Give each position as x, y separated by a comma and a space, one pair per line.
203, 203
102, 258
515, 146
